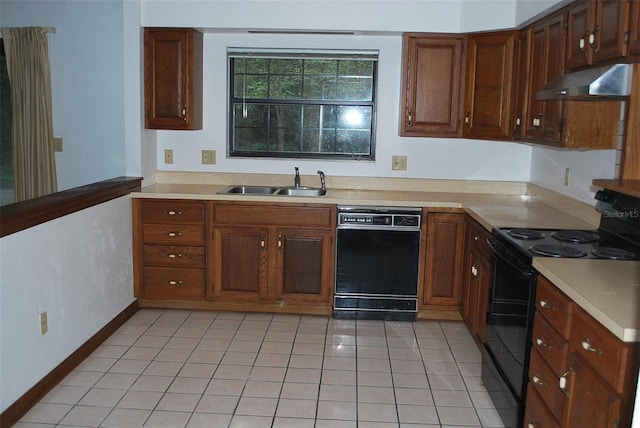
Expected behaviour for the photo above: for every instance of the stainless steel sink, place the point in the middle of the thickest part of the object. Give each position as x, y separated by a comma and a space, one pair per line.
268, 190
249, 190
301, 191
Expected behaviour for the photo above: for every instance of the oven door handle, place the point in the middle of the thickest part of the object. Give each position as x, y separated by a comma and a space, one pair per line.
508, 257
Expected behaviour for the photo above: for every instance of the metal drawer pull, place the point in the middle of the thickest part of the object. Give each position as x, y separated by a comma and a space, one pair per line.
531, 425
540, 342
174, 234
562, 382
586, 345
172, 212
536, 379
174, 283
547, 305
173, 256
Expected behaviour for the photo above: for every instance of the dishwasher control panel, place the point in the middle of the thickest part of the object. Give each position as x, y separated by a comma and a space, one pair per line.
379, 217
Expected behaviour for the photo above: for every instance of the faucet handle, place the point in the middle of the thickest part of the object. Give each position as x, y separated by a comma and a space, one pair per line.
322, 180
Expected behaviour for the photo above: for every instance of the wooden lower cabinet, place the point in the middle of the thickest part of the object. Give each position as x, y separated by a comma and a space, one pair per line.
273, 254
444, 258
476, 284
580, 374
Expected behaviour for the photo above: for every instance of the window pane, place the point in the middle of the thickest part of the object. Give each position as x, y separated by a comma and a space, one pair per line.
326, 106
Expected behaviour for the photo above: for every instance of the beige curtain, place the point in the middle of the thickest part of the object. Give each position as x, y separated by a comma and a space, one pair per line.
34, 168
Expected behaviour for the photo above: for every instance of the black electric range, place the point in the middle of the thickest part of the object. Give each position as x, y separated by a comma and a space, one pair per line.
617, 238
505, 354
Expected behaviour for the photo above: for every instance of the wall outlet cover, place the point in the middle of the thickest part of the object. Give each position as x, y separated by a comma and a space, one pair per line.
168, 156
208, 157
399, 163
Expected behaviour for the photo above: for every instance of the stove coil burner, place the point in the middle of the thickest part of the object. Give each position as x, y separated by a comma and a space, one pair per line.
527, 234
557, 251
613, 253
576, 236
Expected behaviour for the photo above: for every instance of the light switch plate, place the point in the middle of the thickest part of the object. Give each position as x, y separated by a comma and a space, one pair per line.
399, 163
168, 156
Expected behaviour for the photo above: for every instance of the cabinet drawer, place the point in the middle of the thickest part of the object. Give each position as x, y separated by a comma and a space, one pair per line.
536, 413
173, 283
172, 212
552, 304
545, 382
549, 344
173, 234
268, 215
173, 255
601, 349
478, 237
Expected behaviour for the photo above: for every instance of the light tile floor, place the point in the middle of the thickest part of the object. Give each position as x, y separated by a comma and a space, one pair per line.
209, 369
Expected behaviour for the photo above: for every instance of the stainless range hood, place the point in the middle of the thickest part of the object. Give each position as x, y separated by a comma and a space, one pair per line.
610, 82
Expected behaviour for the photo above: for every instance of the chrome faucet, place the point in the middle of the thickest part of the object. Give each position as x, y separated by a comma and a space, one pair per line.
296, 179
323, 181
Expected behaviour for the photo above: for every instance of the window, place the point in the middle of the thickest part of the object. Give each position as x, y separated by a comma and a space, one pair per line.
302, 105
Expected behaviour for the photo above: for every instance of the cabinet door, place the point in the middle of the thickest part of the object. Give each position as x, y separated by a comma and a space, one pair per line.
548, 47
634, 32
489, 85
610, 31
432, 79
591, 402
580, 23
173, 78
303, 265
443, 266
240, 263
522, 78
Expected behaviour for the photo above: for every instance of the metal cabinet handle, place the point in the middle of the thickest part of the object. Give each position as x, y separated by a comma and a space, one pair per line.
174, 256
582, 44
536, 379
586, 345
467, 119
474, 269
279, 242
409, 117
531, 425
540, 342
547, 305
174, 212
174, 234
592, 39
562, 382
262, 243
174, 283
184, 113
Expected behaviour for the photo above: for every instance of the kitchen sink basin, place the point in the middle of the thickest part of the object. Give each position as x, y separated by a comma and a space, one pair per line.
301, 191
249, 190
268, 190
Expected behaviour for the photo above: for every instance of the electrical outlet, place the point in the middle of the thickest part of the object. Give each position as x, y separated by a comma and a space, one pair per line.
399, 163
208, 157
44, 324
567, 176
57, 144
168, 156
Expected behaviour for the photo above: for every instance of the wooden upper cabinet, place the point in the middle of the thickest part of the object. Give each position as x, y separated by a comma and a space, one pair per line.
489, 77
173, 78
597, 32
432, 85
634, 32
521, 73
544, 121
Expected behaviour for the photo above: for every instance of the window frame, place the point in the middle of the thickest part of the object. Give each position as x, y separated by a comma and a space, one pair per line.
238, 53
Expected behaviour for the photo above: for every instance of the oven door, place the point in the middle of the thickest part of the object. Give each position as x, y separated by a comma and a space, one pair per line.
509, 322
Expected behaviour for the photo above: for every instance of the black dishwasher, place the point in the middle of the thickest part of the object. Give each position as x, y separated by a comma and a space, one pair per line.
377, 257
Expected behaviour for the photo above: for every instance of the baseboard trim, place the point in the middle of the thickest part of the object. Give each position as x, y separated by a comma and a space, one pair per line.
18, 409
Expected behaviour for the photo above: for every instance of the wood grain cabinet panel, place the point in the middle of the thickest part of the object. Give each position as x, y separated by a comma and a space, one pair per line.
489, 77
432, 73
634, 32
444, 258
173, 283
173, 78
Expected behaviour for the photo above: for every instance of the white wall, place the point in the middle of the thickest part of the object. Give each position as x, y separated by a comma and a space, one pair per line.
78, 268
87, 73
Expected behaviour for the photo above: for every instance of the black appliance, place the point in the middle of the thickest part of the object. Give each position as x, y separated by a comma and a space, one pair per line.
505, 355
377, 257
